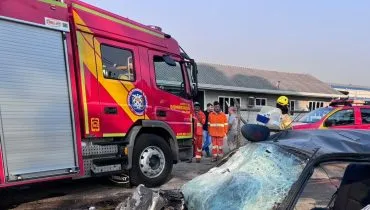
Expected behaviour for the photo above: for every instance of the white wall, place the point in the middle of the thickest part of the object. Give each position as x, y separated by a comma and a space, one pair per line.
301, 102
357, 94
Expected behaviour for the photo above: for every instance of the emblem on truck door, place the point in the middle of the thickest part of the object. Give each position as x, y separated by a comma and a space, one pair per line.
137, 101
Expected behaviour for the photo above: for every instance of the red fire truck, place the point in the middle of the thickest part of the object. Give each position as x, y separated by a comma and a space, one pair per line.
84, 92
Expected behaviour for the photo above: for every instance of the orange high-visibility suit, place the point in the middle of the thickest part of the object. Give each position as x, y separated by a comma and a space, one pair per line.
218, 127
200, 119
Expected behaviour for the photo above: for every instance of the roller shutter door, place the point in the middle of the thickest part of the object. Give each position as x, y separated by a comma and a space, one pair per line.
35, 111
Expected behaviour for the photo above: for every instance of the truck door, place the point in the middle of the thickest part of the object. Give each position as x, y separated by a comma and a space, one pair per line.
168, 98
121, 99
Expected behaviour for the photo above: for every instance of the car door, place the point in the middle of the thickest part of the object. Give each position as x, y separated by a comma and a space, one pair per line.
169, 96
365, 118
342, 119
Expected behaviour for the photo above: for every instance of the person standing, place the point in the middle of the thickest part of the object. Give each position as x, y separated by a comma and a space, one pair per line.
206, 136
200, 120
218, 128
282, 103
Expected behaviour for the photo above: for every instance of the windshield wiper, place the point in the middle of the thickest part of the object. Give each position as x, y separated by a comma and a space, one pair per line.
300, 154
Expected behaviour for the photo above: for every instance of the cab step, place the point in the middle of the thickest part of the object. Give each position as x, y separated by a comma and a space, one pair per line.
108, 165
110, 161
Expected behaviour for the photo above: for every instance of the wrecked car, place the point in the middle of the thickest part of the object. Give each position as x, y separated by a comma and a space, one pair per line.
272, 174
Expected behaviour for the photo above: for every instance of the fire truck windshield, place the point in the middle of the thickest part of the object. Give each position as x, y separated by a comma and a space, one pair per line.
192, 72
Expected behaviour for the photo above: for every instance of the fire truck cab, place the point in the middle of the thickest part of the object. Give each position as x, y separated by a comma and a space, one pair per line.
84, 92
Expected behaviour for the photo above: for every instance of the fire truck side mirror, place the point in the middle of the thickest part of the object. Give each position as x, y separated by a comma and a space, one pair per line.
195, 78
194, 90
169, 60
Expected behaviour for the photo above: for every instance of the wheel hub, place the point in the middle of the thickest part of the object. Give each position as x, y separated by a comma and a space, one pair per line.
152, 161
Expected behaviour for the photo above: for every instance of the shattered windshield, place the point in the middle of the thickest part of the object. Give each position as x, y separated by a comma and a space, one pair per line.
316, 115
257, 176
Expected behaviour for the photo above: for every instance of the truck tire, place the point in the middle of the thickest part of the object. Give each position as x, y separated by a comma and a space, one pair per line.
151, 161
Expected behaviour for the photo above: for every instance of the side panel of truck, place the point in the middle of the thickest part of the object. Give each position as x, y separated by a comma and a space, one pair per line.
37, 121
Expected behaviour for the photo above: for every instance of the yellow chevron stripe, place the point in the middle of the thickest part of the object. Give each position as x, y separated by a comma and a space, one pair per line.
83, 85
183, 137
116, 89
116, 20
114, 134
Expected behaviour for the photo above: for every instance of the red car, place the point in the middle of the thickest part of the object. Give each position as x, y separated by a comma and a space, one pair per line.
339, 115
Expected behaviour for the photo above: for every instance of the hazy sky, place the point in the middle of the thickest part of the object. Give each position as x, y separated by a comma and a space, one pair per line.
329, 39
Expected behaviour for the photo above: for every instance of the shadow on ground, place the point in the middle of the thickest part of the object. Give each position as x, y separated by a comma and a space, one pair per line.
85, 193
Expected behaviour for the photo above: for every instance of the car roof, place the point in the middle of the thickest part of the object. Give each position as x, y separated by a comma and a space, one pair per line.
324, 142
348, 107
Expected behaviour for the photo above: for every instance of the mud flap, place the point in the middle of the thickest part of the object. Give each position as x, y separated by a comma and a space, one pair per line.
121, 179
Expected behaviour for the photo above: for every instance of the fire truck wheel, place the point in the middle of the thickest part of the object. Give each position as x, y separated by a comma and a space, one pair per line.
151, 161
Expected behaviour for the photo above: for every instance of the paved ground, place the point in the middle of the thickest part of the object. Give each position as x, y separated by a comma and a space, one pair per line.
100, 193
82, 194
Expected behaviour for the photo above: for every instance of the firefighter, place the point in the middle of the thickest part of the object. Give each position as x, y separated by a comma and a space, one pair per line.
282, 103
218, 127
200, 119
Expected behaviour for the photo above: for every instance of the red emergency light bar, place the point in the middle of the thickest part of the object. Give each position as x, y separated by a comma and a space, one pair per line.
348, 102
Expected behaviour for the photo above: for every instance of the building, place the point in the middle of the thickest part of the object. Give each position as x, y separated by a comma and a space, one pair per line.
259, 88
354, 91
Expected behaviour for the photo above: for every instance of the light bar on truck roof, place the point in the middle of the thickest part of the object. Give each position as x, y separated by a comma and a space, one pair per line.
348, 102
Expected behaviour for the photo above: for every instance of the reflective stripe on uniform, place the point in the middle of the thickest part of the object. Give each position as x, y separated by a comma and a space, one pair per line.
199, 124
198, 156
199, 150
217, 124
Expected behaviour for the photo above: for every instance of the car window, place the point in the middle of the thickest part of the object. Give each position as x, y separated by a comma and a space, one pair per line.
342, 117
365, 115
315, 115
325, 189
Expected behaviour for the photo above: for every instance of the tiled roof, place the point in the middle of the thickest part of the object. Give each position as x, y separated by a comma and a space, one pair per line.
224, 77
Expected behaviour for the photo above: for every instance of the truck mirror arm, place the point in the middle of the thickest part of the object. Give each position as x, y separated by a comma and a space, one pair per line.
195, 78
